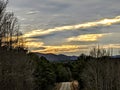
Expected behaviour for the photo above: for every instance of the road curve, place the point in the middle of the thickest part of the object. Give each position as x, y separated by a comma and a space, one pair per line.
66, 86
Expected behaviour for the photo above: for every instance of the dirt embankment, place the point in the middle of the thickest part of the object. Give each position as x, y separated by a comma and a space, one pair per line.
75, 85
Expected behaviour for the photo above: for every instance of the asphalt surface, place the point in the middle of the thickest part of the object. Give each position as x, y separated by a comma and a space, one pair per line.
66, 86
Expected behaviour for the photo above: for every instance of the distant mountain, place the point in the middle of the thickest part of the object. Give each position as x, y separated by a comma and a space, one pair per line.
57, 58
116, 57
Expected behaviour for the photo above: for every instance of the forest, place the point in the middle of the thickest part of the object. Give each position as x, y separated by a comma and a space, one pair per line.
21, 69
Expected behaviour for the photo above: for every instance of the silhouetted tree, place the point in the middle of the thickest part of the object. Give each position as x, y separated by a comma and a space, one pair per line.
99, 52
2, 14
44, 75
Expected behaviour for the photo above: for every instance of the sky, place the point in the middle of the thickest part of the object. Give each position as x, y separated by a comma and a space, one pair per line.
68, 27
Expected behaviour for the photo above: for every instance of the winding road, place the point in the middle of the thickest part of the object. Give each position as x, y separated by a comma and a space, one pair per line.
66, 86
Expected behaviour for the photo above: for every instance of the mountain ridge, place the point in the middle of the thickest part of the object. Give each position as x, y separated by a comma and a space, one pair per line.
57, 58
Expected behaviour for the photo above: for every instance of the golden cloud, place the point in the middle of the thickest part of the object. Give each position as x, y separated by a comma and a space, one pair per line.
86, 37
114, 46
62, 48
103, 22
34, 44
68, 48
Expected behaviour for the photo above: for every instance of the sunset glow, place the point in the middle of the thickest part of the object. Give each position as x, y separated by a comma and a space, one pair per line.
87, 37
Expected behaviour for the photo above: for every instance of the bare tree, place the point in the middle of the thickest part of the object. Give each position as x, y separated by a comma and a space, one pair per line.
9, 27
12, 28
98, 52
2, 14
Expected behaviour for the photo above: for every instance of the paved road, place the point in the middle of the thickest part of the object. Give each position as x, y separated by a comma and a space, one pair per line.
66, 86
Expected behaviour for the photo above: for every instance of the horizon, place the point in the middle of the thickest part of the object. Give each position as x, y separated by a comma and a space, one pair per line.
70, 55
69, 28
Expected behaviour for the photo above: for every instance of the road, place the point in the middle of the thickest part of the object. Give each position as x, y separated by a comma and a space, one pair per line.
66, 86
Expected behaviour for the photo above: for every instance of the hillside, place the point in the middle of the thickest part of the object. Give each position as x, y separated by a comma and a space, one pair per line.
57, 58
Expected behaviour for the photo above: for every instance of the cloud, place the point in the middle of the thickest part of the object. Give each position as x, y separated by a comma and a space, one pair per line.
21, 18
61, 49
32, 43
103, 22
72, 48
51, 22
113, 46
86, 37
32, 12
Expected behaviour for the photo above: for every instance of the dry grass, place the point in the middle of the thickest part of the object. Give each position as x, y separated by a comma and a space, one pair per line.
74, 85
